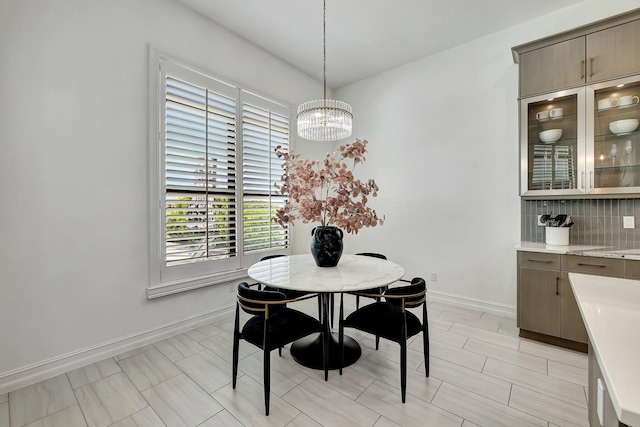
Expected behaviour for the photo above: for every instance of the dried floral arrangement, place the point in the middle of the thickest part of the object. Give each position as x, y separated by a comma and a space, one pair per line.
326, 191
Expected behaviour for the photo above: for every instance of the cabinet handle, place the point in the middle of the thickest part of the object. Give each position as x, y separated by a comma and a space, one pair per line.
591, 67
590, 179
582, 180
546, 261
582, 70
583, 264
557, 285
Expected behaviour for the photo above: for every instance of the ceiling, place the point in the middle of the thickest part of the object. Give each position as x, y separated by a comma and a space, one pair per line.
366, 37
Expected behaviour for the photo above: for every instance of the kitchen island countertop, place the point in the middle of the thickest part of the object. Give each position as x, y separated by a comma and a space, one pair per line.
610, 308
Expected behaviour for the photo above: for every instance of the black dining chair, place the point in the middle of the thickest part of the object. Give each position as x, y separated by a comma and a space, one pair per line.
391, 319
373, 290
272, 325
290, 293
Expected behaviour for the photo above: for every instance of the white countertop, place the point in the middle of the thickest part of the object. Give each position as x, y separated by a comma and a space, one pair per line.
584, 250
553, 249
610, 308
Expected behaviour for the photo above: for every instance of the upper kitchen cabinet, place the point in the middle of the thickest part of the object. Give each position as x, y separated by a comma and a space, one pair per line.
579, 111
614, 52
552, 68
613, 137
581, 142
552, 146
601, 51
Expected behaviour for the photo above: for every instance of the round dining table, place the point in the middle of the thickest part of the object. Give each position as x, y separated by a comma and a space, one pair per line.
300, 273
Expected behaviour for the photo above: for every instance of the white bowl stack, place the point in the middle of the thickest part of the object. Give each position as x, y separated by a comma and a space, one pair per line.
624, 127
551, 135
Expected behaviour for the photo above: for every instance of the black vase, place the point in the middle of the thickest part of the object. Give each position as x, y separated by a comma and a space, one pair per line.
326, 245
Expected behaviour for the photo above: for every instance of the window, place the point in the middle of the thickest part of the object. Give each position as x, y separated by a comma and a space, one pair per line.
213, 176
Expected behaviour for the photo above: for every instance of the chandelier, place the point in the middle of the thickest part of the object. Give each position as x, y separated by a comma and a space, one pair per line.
324, 119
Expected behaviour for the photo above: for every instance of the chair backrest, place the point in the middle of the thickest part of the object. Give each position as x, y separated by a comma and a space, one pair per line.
414, 294
259, 302
372, 254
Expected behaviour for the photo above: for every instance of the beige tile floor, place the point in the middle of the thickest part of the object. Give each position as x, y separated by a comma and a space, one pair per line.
482, 374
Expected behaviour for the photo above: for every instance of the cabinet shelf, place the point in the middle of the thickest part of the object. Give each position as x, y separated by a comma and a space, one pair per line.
568, 142
552, 123
615, 111
615, 168
613, 137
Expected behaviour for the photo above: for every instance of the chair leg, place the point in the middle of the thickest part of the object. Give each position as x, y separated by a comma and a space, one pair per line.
425, 339
377, 341
403, 370
267, 379
403, 357
236, 345
341, 333
320, 308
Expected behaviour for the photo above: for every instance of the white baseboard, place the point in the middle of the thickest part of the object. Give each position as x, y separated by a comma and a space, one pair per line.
27, 375
472, 303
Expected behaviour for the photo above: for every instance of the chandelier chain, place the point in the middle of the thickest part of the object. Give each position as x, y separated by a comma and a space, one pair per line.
324, 46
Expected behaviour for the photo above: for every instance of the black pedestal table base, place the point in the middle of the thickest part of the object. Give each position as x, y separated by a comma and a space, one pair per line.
308, 351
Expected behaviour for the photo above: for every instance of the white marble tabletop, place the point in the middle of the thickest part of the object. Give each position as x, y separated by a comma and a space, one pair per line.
610, 308
299, 272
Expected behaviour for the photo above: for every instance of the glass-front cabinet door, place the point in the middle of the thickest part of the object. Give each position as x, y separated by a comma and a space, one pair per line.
613, 136
552, 149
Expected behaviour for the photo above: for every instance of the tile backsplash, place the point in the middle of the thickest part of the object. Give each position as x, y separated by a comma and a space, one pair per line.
598, 222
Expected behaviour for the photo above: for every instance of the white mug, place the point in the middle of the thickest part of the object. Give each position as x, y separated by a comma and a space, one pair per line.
627, 101
603, 104
543, 115
556, 113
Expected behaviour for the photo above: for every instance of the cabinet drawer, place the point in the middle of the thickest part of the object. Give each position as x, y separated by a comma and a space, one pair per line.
539, 260
631, 269
593, 265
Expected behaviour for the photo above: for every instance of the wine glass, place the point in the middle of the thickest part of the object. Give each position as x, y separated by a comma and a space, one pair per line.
628, 147
613, 152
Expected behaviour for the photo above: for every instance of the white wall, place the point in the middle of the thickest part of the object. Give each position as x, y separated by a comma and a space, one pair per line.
443, 135
74, 167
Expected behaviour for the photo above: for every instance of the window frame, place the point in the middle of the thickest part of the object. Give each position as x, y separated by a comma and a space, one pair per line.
167, 280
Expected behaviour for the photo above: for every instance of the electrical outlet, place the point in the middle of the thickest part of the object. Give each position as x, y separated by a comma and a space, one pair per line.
628, 222
434, 277
540, 223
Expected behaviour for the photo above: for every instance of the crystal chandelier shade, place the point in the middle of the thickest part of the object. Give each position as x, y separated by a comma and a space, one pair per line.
325, 119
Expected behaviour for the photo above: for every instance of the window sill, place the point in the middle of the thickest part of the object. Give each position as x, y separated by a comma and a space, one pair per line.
183, 285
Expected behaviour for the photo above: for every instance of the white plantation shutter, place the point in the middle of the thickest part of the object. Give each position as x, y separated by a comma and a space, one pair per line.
212, 178
200, 166
264, 127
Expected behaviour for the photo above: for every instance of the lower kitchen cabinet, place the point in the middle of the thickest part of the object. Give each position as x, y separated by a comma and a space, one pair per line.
631, 269
547, 308
539, 303
573, 328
